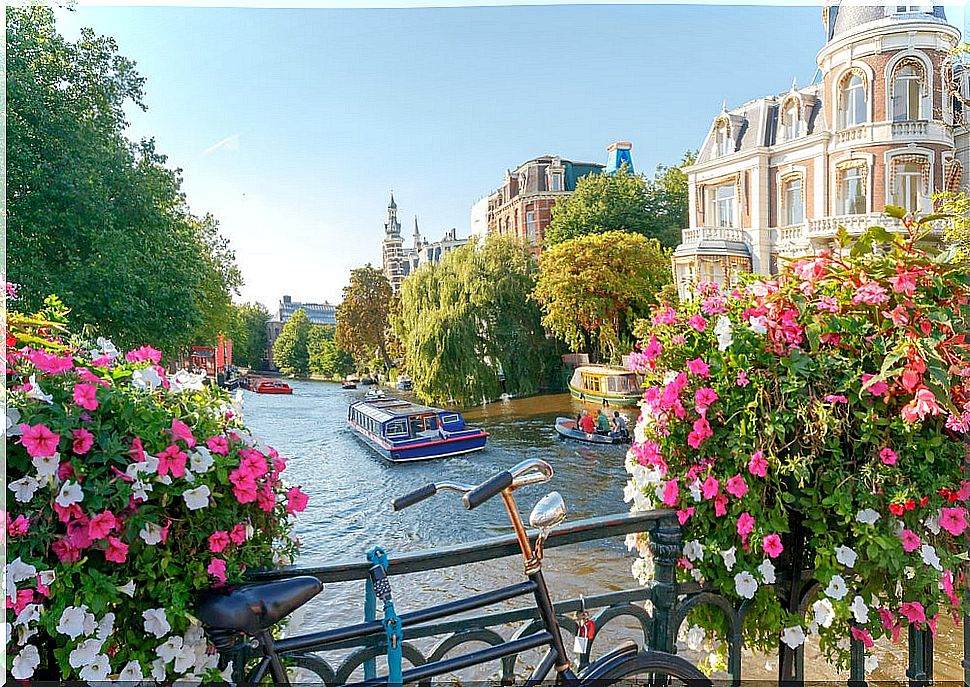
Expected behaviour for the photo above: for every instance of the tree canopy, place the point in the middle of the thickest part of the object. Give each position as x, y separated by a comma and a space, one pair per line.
655, 208
957, 230
593, 288
249, 336
93, 217
468, 328
362, 317
290, 349
326, 358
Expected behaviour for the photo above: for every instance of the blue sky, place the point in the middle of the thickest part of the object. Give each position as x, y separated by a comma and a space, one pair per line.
292, 125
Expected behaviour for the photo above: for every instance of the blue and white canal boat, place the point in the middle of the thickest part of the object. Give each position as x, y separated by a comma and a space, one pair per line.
402, 431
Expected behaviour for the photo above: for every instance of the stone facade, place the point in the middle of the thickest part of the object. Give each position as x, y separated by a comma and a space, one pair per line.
776, 177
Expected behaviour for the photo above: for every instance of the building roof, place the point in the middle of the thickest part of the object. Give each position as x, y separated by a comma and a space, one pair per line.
849, 18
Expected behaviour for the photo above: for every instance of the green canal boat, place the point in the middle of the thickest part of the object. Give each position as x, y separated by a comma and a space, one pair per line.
609, 386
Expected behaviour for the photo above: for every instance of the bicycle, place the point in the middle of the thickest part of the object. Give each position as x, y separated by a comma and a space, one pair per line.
252, 610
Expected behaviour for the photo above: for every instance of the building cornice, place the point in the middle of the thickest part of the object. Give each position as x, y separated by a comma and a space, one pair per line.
884, 28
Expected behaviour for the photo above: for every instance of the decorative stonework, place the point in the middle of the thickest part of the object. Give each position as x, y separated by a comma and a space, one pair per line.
952, 174
842, 167
922, 160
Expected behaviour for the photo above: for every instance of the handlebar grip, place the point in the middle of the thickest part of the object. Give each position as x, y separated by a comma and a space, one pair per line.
486, 490
420, 494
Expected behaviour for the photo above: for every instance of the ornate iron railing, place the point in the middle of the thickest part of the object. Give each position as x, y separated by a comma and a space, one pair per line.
660, 620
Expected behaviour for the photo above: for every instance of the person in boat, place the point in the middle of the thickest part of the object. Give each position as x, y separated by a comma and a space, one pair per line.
586, 423
602, 423
619, 426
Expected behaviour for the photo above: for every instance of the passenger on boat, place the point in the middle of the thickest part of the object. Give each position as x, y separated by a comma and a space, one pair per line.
602, 423
586, 423
619, 426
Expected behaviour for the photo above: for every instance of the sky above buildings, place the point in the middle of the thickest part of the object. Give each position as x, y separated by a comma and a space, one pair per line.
292, 126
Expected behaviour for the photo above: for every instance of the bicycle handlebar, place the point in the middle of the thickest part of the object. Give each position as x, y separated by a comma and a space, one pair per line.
487, 489
420, 494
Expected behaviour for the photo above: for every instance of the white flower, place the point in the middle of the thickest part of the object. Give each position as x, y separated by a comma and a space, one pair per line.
25, 663
164, 479
131, 673
696, 574
694, 551
70, 494
767, 570
145, 378
836, 589
859, 610
36, 392
200, 460
929, 556
25, 632
46, 577
140, 489
29, 614
155, 622
128, 589
13, 422
198, 498
631, 541
18, 571
24, 488
932, 522
723, 331
106, 626
871, 663
104, 349
910, 572
845, 556
183, 380
759, 325
745, 584
76, 621
643, 569
158, 670
169, 649
85, 653
695, 491
794, 637
867, 516
729, 557
96, 671
46, 465
152, 534
695, 637
824, 612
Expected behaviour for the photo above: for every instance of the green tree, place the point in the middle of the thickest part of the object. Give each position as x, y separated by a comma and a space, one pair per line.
290, 349
326, 358
362, 317
957, 230
249, 336
593, 288
468, 329
624, 201
93, 217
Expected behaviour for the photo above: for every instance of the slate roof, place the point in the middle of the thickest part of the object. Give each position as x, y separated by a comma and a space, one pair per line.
536, 180
844, 19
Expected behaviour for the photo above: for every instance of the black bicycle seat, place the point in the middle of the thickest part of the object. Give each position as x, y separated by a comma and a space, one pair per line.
251, 608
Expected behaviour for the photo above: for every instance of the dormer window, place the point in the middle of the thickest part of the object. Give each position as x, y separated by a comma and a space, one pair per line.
555, 181
722, 140
790, 123
853, 109
906, 9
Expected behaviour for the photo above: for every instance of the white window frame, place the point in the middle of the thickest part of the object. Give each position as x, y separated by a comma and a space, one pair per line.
857, 174
908, 186
723, 205
848, 114
722, 140
787, 193
912, 81
791, 123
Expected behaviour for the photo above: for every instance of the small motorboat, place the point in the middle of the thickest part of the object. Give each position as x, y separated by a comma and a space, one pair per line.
271, 386
368, 381
349, 383
374, 394
404, 383
566, 428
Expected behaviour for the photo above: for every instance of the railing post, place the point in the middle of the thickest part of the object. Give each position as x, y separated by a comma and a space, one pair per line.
857, 663
966, 639
920, 671
666, 544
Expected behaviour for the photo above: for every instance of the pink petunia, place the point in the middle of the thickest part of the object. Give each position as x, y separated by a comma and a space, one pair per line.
117, 550
266, 498
744, 526
720, 505
835, 398
697, 322
101, 525
913, 612
888, 456
218, 541
772, 545
83, 441
137, 452
877, 388
85, 395
217, 568
703, 398
144, 353
670, 492
19, 526
700, 432
296, 501
758, 466
685, 514
709, 487
910, 539
953, 520
870, 293
218, 445
87, 376
736, 486
51, 364
698, 367
172, 459
862, 636
238, 533
39, 441
181, 431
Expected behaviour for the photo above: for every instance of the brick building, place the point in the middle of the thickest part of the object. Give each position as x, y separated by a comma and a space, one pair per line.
777, 176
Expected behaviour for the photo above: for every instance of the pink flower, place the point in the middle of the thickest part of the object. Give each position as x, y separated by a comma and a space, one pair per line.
946, 581
742, 379
666, 316
136, 451
923, 404
218, 541
217, 568
253, 463
862, 636
684, 515
238, 534
87, 376
670, 493
218, 444
835, 398
296, 500
736, 486
953, 520
117, 550
697, 322
701, 431
913, 612
180, 430
772, 545
703, 398
871, 294
758, 465
827, 303
266, 498
244, 486
101, 525
83, 441
18, 526
172, 459
904, 283
888, 456
720, 505
745, 525
911, 540
52, 364
85, 395
709, 487
876, 389
144, 353
39, 441
698, 367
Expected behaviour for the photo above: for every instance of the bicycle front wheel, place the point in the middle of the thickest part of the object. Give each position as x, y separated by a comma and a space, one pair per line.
656, 669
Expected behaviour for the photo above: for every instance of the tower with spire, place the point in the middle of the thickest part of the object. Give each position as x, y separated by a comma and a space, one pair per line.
393, 247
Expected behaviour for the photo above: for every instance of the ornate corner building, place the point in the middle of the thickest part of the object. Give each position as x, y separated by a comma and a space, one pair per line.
776, 177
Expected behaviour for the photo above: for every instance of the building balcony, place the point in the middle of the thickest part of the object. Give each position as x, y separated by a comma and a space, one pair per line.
930, 131
917, 128
699, 234
855, 225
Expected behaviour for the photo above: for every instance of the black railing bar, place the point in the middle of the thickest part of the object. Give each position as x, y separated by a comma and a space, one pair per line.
323, 639
429, 670
493, 619
588, 529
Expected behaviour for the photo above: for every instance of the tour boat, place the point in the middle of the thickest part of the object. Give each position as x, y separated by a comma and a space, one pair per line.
271, 386
610, 386
566, 427
402, 431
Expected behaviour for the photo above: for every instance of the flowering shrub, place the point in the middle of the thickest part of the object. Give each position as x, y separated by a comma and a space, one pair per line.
129, 491
835, 396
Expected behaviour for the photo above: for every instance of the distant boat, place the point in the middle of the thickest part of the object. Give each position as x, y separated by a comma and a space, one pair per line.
270, 386
611, 386
349, 383
566, 427
402, 431
404, 383
375, 393
368, 381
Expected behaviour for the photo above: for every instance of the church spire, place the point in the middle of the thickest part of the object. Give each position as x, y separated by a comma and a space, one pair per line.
417, 233
392, 205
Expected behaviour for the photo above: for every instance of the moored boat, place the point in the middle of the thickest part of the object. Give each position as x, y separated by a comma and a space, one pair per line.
349, 383
270, 386
375, 393
566, 427
404, 383
610, 386
402, 431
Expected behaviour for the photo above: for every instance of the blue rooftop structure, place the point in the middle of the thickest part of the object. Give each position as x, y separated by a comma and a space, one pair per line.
618, 154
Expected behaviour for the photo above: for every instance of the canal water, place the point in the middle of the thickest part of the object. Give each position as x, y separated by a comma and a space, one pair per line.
350, 486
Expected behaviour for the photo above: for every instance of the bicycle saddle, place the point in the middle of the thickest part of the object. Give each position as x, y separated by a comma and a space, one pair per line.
251, 608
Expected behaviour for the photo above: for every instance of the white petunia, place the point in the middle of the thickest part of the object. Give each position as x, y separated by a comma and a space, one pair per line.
198, 498
695, 491
745, 584
158, 670
631, 541
24, 488
845, 556
18, 571
145, 378
70, 494
97, 671
128, 589
767, 570
730, 557
871, 663
164, 479
25, 663
183, 380
46, 577
13, 422
932, 522
696, 574
867, 516
643, 569
169, 649
46, 465
759, 325
131, 673
85, 653
36, 392
76, 621
793, 637
29, 614
723, 331
824, 612
140, 489
106, 626
155, 622
694, 550
859, 610
104, 348
151, 533
200, 460
836, 589
930, 557
695, 637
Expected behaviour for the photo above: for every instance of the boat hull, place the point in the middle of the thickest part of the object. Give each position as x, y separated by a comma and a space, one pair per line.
606, 399
426, 450
567, 428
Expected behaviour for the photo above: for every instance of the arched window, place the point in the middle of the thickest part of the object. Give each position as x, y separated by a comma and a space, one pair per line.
908, 85
909, 179
853, 109
852, 190
790, 124
792, 195
722, 139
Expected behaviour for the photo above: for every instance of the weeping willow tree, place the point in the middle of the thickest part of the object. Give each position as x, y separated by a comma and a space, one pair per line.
468, 329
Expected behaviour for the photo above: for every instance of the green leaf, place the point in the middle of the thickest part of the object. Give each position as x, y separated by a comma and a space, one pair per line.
895, 211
